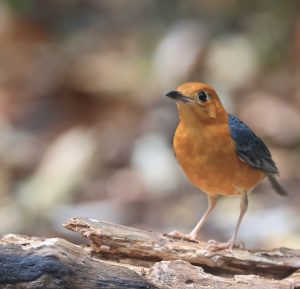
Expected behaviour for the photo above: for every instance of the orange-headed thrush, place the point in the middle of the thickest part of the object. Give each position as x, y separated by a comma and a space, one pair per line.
219, 153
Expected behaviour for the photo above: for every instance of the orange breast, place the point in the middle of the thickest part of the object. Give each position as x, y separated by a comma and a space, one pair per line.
208, 157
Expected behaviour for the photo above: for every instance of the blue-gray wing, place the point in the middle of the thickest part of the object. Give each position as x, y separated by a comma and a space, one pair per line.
251, 148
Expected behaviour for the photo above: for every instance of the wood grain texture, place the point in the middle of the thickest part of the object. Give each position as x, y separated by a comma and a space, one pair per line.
125, 257
182, 275
56, 263
146, 248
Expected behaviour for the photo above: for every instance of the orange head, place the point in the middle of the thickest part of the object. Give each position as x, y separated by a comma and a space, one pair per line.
198, 102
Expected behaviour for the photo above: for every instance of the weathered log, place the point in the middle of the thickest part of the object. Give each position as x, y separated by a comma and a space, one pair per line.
145, 248
58, 264
125, 257
182, 275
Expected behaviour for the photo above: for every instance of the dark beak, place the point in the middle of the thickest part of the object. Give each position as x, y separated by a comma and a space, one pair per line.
178, 96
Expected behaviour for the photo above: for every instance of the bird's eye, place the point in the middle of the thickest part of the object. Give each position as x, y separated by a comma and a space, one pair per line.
203, 96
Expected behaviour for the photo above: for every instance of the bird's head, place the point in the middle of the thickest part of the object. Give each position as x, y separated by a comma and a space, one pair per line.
198, 101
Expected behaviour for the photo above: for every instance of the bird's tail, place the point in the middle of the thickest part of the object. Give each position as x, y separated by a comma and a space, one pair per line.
277, 186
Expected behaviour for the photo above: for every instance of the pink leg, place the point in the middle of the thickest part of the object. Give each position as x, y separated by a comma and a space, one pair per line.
212, 200
214, 245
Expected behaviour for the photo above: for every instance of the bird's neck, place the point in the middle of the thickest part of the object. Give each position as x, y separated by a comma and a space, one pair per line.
191, 118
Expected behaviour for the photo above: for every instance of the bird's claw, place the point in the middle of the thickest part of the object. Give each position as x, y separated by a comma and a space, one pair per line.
213, 245
187, 237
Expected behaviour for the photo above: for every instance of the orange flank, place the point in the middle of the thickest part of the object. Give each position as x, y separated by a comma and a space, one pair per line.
208, 158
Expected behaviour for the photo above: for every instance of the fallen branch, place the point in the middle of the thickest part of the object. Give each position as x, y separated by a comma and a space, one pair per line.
125, 257
125, 243
58, 264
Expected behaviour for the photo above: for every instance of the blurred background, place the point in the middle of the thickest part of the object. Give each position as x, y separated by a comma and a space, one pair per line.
85, 129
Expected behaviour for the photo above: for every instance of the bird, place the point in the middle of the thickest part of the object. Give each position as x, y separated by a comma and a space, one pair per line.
219, 154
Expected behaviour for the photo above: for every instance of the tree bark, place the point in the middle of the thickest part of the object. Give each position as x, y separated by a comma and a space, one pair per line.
125, 257
56, 264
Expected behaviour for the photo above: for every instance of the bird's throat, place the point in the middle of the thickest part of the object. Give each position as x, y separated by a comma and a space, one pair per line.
192, 116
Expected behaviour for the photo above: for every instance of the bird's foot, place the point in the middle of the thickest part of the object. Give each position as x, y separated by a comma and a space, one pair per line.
188, 237
213, 245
